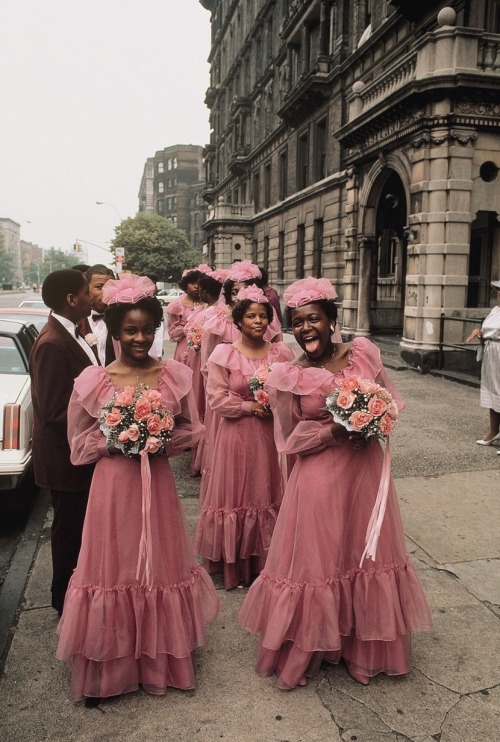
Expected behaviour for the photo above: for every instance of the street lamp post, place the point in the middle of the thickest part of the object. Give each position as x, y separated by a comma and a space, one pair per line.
106, 203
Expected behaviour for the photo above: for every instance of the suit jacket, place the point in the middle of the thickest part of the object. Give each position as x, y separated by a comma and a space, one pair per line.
55, 362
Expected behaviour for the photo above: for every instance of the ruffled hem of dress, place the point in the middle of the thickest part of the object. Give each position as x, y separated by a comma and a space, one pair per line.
376, 604
91, 679
233, 534
104, 624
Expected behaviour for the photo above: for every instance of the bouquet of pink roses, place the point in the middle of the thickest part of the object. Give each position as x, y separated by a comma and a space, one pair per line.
136, 420
363, 406
194, 334
256, 386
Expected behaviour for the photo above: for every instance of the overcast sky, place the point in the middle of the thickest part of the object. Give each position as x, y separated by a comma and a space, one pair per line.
89, 89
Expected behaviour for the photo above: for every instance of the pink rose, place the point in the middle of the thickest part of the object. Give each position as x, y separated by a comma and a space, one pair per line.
125, 398
377, 406
345, 400
168, 422
142, 409
262, 398
368, 387
114, 417
261, 374
154, 424
392, 410
349, 384
152, 394
360, 420
152, 445
386, 425
133, 433
123, 437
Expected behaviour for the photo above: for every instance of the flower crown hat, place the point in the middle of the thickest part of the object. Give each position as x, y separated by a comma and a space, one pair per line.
127, 289
243, 270
253, 293
307, 290
187, 271
203, 268
220, 274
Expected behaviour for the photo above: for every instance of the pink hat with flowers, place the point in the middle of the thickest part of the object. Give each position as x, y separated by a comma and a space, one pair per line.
253, 293
308, 290
204, 268
187, 271
127, 289
220, 274
243, 270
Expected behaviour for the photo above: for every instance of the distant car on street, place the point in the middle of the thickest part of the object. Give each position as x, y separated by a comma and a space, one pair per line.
33, 303
16, 342
29, 315
168, 295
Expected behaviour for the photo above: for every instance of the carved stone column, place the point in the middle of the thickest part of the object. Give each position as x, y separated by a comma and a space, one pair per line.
365, 245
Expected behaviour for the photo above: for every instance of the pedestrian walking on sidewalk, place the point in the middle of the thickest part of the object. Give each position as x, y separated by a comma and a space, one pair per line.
59, 355
138, 603
318, 597
489, 335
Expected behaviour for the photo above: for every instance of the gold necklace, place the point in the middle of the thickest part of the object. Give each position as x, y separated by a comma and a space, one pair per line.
129, 368
321, 365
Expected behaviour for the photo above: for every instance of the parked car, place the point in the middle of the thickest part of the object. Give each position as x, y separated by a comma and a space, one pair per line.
168, 295
33, 303
16, 342
29, 315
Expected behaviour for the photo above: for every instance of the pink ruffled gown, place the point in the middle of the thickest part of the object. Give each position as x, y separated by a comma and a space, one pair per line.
178, 314
193, 361
312, 601
219, 328
117, 631
244, 485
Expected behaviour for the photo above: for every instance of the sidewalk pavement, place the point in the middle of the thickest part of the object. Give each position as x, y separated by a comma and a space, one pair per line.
449, 490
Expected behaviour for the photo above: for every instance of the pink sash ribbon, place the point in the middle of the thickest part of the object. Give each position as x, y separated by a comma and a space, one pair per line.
378, 512
145, 544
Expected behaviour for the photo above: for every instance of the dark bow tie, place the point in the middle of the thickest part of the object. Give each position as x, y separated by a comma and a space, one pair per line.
95, 316
78, 333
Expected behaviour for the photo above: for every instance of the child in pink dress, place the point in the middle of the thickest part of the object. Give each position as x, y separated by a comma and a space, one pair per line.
244, 486
313, 601
137, 604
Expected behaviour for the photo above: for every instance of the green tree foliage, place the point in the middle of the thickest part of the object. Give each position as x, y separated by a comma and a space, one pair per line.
154, 245
7, 263
55, 260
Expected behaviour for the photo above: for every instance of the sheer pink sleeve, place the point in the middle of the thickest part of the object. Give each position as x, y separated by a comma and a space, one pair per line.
188, 429
220, 397
293, 433
87, 442
176, 321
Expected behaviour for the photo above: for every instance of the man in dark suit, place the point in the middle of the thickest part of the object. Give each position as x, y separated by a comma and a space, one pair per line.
59, 355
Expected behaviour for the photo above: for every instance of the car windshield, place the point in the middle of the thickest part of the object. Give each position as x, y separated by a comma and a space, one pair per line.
31, 319
11, 360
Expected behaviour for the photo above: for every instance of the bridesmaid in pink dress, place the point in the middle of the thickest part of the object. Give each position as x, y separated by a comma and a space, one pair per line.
313, 601
137, 604
220, 328
178, 312
210, 283
244, 486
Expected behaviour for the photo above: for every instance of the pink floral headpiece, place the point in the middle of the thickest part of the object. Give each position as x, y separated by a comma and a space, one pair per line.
220, 274
253, 293
127, 289
307, 290
204, 268
244, 270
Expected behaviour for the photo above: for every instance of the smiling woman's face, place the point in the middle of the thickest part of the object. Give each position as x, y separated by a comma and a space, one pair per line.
311, 329
137, 334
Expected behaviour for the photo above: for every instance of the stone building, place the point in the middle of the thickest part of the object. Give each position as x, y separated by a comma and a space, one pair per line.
171, 186
360, 140
11, 232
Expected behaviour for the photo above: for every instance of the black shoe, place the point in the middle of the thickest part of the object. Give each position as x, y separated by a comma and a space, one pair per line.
91, 702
